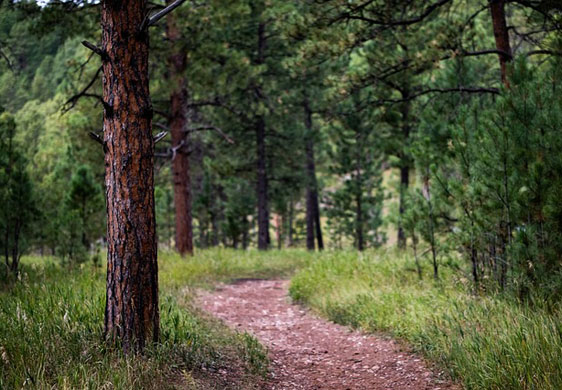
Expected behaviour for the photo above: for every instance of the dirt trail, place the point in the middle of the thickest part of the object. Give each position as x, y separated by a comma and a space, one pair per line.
307, 352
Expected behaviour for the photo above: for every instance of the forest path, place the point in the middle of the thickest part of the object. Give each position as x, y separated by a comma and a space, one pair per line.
307, 352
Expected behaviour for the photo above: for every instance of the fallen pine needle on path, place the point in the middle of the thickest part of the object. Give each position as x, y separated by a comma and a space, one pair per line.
308, 352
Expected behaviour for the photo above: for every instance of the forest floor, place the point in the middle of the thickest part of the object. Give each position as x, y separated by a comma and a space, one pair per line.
307, 352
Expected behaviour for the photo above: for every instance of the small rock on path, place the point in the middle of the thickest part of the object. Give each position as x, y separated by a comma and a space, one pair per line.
309, 353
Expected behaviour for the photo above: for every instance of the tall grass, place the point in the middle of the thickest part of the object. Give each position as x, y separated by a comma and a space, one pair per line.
51, 324
484, 342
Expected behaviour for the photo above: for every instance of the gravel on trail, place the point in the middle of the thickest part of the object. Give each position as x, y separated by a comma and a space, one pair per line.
311, 353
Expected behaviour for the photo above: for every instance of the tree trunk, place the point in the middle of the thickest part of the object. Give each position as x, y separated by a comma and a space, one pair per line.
177, 64
405, 164
501, 35
313, 226
263, 210
131, 312
359, 222
245, 233
426, 190
319, 239
262, 192
6, 246
404, 182
15, 247
359, 199
290, 225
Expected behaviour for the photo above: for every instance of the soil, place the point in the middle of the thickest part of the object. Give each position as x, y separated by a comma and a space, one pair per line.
310, 353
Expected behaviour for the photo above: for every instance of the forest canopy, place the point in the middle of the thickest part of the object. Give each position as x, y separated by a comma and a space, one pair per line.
432, 126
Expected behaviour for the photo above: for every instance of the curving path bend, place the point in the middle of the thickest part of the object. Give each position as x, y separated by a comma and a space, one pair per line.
309, 353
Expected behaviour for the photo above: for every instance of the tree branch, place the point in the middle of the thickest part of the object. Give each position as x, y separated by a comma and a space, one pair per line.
441, 90
406, 22
152, 20
84, 93
211, 127
98, 139
158, 137
100, 52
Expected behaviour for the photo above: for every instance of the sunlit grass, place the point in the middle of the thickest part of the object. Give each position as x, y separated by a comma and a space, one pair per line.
212, 265
484, 342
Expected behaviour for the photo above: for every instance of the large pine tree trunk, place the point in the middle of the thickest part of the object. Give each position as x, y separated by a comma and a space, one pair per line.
501, 35
131, 313
177, 62
313, 227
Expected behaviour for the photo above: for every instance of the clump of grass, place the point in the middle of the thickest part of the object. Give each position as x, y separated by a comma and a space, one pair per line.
489, 342
51, 325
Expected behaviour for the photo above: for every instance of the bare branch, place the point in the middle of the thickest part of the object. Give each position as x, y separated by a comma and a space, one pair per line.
100, 52
211, 127
98, 139
158, 137
547, 52
3, 55
406, 22
442, 90
152, 20
84, 93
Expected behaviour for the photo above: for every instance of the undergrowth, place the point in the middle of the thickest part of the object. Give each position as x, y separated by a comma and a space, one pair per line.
484, 342
51, 325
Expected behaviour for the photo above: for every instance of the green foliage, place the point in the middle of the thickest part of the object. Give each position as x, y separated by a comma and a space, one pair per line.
17, 206
499, 177
355, 207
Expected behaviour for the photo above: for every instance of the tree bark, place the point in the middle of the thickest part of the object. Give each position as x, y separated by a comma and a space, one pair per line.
501, 35
262, 191
263, 209
405, 167
177, 64
359, 199
359, 222
131, 312
309, 180
313, 227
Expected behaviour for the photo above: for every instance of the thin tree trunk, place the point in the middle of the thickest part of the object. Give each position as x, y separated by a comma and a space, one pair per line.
359, 201
404, 183
15, 248
405, 167
131, 312
262, 191
501, 35
7, 247
317, 222
309, 189
290, 223
427, 194
416, 258
313, 227
263, 210
177, 64
245, 233
359, 222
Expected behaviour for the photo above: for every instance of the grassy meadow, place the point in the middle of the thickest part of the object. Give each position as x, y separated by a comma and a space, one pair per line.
483, 342
51, 323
